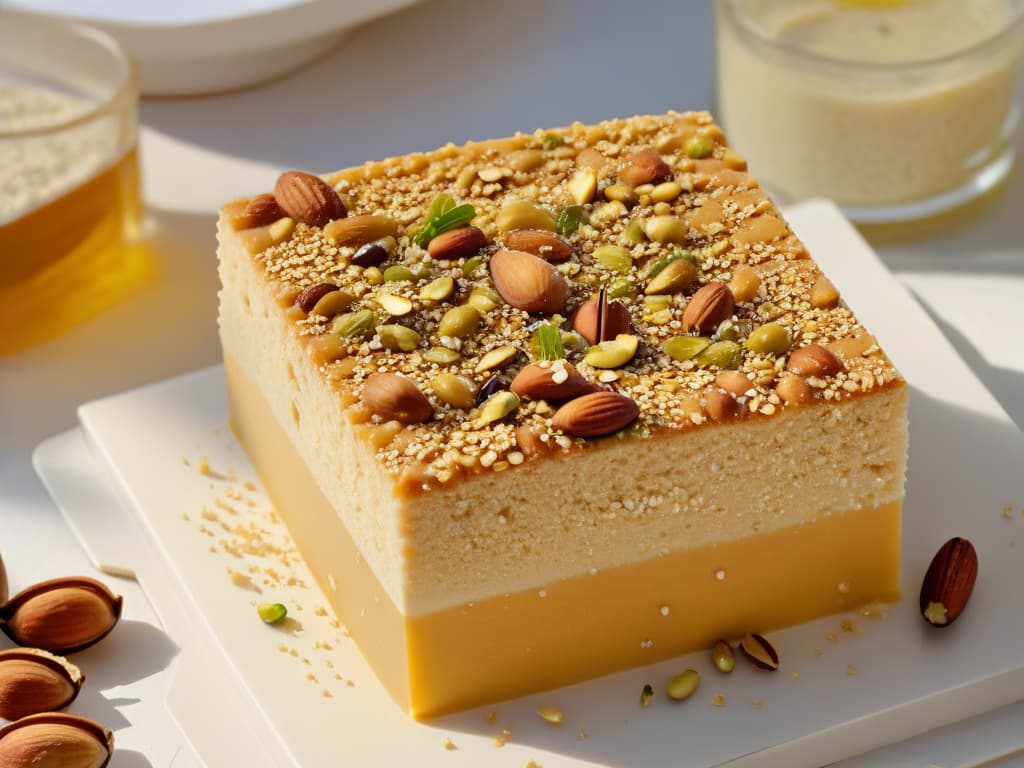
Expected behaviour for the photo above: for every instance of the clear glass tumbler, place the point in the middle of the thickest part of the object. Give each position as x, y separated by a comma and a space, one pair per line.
895, 109
69, 188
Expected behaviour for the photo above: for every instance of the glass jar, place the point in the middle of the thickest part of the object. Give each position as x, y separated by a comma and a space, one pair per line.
895, 109
69, 189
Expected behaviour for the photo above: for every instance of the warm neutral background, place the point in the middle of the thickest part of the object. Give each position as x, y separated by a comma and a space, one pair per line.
441, 70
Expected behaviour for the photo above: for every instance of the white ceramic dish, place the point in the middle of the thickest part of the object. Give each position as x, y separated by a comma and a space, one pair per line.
191, 46
241, 699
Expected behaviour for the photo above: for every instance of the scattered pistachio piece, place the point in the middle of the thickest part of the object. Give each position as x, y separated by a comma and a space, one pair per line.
614, 353
723, 657
272, 613
683, 685
646, 695
551, 715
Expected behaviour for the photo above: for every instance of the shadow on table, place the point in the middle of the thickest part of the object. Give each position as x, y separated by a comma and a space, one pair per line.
129, 758
1006, 385
964, 466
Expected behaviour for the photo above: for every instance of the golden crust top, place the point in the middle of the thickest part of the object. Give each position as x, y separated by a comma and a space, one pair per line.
698, 302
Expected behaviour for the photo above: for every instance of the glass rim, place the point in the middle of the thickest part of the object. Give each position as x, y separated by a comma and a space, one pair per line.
97, 38
741, 23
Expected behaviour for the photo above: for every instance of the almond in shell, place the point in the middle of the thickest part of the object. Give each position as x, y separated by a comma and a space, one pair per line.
949, 582
61, 615
456, 243
55, 740
396, 398
708, 307
547, 245
33, 680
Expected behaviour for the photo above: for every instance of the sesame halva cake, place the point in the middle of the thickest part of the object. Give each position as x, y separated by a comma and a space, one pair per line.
547, 407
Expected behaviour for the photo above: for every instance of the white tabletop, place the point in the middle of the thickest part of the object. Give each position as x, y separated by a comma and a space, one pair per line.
442, 70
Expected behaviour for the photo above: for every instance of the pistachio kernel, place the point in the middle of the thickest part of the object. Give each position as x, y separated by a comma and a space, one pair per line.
683, 685
272, 613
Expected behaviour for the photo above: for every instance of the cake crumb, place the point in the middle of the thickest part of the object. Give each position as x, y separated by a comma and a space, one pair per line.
326, 694
503, 738
582, 735
542, 593
203, 466
350, 683
490, 717
449, 745
756, 704
851, 670
533, 764
843, 587
718, 700
720, 574
646, 643
1008, 511
831, 637
818, 652
664, 610
850, 626
795, 675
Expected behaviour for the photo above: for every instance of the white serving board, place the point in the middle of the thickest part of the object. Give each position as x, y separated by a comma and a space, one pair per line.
242, 701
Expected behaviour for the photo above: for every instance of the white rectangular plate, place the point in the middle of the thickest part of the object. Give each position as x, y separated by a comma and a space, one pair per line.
839, 691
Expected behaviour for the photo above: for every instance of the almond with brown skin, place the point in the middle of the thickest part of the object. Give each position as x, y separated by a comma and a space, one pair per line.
949, 582
55, 740
528, 282
645, 167
308, 198
61, 615
33, 680
355, 231
550, 381
394, 397
814, 360
311, 294
456, 243
596, 414
600, 319
708, 307
258, 212
547, 245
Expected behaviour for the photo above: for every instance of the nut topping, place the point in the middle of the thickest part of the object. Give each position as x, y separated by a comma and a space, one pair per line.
547, 245
456, 243
528, 282
794, 390
310, 295
760, 652
708, 307
360, 230
61, 615
55, 740
260, 211
723, 657
394, 397
32, 680
721, 405
949, 582
814, 360
645, 167
374, 254
550, 381
599, 319
596, 414
308, 198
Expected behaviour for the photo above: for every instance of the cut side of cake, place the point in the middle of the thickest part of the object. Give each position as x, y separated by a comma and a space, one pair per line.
547, 407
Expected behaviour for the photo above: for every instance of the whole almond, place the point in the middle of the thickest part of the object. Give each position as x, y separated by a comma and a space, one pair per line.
61, 615
645, 167
32, 680
394, 397
528, 282
708, 307
547, 245
550, 381
55, 740
814, 360
311, 294
720, 405
760, 652
596, 414
600, 319
355, 231
258, 212
794, 390
457, 243
949, 582
308, 198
